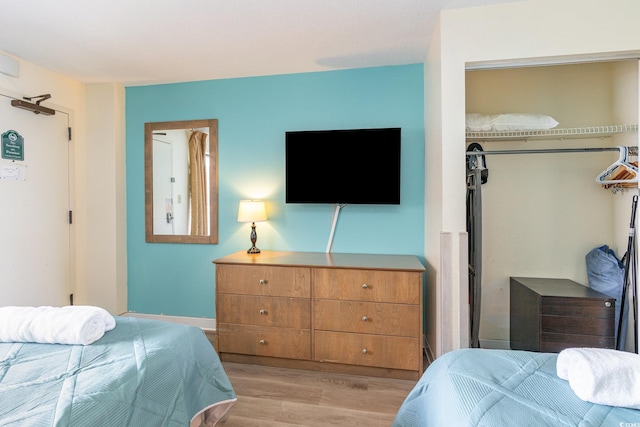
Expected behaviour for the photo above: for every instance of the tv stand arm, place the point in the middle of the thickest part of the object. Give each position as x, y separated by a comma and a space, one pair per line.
336, 213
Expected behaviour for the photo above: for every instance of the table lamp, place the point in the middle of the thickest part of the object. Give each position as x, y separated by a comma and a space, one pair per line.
252, 211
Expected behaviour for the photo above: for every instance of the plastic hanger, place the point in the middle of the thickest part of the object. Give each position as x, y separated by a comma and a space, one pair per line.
619, 172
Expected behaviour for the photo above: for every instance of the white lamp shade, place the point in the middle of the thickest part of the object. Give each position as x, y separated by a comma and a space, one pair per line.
251, 211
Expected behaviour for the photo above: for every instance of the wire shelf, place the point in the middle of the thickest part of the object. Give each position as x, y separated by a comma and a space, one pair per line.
566, 133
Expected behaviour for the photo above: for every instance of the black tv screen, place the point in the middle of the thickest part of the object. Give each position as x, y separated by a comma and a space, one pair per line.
359, 166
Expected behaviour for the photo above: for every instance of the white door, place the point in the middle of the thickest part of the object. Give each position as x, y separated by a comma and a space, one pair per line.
162, 187
35, 259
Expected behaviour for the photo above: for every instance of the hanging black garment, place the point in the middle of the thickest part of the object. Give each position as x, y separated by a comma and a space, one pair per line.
477, 174
629, 261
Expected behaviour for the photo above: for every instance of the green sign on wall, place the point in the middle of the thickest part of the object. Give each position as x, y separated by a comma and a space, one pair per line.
12, 145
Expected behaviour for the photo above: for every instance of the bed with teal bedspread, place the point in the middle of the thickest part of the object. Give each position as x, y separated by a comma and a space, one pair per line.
141, 373
496, 388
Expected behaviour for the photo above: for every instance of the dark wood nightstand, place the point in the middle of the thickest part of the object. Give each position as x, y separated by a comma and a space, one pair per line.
550, 315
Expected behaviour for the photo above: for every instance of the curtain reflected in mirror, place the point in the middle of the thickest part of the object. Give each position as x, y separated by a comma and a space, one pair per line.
198, 183
181, 184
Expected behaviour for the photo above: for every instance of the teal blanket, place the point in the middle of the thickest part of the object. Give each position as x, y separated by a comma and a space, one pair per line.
142, 373
502, 388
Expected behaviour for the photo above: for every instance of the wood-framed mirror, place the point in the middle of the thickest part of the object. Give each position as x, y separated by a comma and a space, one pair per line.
181, 181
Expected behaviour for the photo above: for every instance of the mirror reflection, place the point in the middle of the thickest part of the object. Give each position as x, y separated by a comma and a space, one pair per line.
181, 184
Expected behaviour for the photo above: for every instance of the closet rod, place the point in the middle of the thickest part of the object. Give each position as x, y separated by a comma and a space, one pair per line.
542, 150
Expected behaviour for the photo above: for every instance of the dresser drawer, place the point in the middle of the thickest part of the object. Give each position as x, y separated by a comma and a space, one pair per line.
367, 317
368, 350
576, 325
264, 311
555, 343
264, 280
368, 285
578, 307
287, 343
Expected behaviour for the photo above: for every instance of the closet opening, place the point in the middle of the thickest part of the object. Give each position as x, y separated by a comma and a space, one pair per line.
540, 140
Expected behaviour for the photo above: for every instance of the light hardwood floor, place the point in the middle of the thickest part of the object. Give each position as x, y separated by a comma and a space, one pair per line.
280, 397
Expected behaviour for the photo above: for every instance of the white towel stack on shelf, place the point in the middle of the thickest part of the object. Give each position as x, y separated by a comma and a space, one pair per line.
77, 324
603, 376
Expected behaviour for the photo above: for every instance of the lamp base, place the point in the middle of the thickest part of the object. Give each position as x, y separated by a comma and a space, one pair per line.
254, 238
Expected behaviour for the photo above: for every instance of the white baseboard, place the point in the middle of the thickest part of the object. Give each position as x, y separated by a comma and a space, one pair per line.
201, 322
495, 344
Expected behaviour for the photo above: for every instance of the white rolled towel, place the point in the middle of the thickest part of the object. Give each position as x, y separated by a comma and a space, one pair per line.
109, 320
602, 376
54, 325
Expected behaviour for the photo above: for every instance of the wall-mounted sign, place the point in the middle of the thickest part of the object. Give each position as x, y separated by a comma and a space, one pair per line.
13, 172
12, 146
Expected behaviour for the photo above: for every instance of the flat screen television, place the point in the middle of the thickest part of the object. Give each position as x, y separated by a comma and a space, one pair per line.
354, 166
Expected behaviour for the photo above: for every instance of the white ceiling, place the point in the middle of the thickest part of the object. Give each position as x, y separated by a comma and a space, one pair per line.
137, 42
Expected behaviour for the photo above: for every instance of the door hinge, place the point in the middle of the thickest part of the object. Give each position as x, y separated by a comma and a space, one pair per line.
69, 133
70, 217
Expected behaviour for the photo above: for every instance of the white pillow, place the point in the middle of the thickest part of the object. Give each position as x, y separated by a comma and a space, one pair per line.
518, 121
477, 122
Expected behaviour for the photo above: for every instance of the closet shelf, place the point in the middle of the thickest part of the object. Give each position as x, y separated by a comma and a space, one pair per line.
566, 133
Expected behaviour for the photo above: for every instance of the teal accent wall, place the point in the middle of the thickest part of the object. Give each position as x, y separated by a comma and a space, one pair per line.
253, 115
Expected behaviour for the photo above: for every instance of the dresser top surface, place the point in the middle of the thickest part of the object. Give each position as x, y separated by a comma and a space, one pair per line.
329, 260
558, 288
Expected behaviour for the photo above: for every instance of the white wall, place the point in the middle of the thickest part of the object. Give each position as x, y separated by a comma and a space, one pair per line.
508, 32
433, 197
98, 174
103, 254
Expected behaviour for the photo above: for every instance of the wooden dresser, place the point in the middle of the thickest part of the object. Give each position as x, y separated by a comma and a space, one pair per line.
550, 315
353, 313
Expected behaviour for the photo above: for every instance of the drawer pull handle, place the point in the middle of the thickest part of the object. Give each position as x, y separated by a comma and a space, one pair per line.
365, 351
262, 311
365, 318
262, 342
607, 304
262, 281
365, 286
